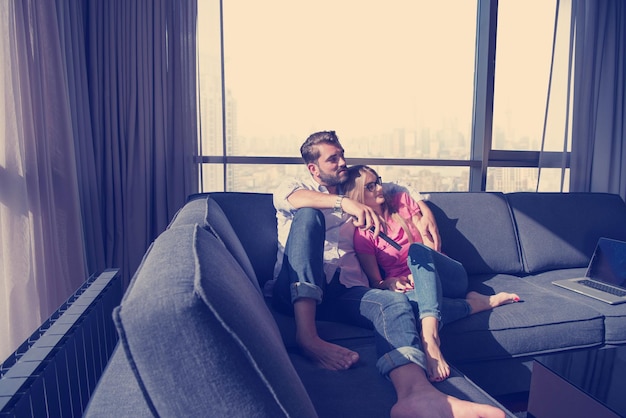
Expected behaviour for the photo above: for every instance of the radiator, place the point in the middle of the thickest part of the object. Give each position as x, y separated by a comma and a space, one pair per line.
54, 372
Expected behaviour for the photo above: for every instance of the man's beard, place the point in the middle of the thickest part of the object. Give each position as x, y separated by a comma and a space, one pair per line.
334, 179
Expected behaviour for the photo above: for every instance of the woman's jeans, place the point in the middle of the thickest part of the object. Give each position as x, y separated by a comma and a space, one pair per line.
440, 285
389, 313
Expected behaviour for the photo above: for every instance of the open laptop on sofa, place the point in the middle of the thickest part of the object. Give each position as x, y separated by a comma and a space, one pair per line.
605, 278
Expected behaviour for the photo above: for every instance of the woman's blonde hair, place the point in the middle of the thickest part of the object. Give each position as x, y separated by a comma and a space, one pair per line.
354, 188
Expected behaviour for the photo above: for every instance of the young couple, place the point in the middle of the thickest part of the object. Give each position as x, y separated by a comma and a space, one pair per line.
322, 219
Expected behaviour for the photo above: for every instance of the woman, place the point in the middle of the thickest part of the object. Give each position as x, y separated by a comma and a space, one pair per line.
435, 284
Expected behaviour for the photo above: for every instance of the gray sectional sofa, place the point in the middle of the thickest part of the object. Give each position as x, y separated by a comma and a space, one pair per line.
198, 338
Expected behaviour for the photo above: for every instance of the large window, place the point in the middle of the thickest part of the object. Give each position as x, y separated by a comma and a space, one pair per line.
525, 116
396, 80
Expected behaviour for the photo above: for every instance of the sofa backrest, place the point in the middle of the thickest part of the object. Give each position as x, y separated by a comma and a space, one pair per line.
193, 320
253, 218
201, 209
488, 232
477, 230
561, 230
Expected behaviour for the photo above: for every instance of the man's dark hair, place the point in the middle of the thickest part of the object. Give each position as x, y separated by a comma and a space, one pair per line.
309, 151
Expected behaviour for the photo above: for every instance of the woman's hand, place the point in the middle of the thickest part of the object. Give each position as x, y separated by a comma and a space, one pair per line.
400, 284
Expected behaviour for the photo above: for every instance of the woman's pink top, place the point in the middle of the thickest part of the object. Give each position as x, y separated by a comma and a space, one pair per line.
392, 261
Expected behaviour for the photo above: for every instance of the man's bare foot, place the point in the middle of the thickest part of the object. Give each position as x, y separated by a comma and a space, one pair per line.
418, 398
479, 302
431, 403
437, 369
327, 355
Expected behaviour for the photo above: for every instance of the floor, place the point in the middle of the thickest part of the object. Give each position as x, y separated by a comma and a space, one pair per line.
515, 402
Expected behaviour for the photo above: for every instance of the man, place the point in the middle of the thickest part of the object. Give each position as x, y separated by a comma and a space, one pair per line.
317, 272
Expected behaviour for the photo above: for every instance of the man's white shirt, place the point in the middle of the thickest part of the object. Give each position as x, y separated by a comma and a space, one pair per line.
338, 247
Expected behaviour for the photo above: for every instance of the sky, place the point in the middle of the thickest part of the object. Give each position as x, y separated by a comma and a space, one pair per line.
365, 67
358, 64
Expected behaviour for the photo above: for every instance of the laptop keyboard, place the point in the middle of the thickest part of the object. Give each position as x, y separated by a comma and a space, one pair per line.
602, 287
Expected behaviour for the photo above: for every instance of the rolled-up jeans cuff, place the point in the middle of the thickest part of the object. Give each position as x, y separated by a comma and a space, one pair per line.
305, 290
400, 357
434, 313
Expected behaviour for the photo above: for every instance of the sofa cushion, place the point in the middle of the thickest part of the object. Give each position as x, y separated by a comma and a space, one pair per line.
199, 337
374, 395
195, 211
614, 315
561, 230
544, 322
202, 210
118, 394
328, 330
477, 230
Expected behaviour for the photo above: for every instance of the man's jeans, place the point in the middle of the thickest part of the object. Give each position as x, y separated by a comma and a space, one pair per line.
302, 274
440, 285
388, 313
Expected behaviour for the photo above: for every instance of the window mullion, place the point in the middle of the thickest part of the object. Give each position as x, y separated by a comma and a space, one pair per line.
482, 120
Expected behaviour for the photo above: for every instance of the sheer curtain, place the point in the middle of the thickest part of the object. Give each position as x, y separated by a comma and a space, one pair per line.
97, 137
557, 118
41, 245
599, 133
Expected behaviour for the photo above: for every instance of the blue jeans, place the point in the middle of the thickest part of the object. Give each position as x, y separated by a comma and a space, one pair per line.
302, 274
389, 314
440, 285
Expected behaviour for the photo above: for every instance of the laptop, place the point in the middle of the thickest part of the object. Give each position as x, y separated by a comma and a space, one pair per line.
605, 278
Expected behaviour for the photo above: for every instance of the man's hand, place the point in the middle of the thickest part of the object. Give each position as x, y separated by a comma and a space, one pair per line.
430, 233
363, 216
427, 227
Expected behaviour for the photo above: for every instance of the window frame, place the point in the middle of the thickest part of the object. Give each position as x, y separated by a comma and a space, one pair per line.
482, 156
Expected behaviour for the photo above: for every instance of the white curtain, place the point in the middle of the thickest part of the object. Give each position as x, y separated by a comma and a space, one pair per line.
557, 118
598, 159
42, 256
97, 141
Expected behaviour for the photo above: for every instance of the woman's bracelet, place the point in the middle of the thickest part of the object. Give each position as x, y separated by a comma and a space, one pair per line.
379, 283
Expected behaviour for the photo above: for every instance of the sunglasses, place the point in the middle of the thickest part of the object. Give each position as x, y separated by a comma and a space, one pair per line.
372, 186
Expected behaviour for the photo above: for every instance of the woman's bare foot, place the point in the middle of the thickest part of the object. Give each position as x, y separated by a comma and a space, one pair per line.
327, 355
479, 302
437, 368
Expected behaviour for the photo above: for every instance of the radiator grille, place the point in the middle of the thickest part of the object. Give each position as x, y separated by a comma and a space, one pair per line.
54, 371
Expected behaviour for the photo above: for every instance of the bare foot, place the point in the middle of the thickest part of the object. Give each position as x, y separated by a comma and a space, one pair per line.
437, 368
479, 302
434, 404
418, 398
327, 355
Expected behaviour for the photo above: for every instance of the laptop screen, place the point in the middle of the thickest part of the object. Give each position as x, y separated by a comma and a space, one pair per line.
609, 262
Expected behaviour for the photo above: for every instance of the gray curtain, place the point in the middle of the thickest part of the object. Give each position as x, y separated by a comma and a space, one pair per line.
141, 66
97, 140
598, 158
